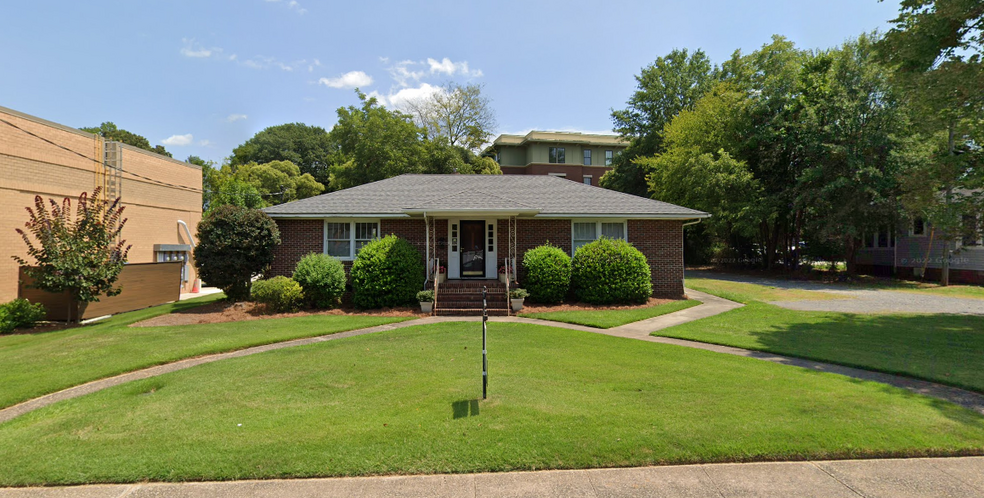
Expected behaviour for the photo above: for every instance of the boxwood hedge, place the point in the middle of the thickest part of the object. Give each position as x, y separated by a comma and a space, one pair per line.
609, 271
548, 273
387, 272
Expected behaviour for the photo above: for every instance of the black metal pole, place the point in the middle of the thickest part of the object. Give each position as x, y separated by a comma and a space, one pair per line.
485, 357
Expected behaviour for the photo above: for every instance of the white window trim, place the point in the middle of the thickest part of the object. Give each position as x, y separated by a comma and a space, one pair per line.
598, 222
561, 175
588, 177
351, 222
912, 229
980, 240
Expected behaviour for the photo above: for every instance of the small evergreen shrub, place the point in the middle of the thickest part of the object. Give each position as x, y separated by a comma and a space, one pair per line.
235, 244
19, 314
280, 293
548, 273
425, 296
609, 271
322, 278
387, 272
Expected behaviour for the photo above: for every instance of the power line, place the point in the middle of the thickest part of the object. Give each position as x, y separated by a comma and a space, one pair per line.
182, 187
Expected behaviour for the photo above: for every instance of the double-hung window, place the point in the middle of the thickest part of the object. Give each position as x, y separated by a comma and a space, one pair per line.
344, 239
557, 155
584, 232
587, 157
609, 156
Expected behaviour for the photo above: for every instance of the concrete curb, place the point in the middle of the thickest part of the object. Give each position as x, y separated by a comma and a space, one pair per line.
914, 477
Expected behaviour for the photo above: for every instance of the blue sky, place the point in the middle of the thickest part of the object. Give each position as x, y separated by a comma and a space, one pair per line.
203, 76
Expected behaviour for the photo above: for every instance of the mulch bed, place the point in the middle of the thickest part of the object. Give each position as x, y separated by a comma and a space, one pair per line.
224, 311
577, 306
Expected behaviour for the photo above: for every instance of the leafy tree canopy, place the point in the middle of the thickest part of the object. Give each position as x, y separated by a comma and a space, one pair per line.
110, 131
309, 147
459, 114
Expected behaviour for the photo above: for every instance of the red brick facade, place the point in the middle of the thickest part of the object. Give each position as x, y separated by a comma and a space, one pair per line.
297, 239
661, 241
575, 172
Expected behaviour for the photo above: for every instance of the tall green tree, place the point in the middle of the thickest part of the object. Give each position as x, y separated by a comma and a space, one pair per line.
462, 115
936, 46
371, 143
278, 181
110, 131
309, 147
851, 120
666, 87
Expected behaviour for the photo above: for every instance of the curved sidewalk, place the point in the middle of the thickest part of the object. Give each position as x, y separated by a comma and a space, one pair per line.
914, 477
711, 305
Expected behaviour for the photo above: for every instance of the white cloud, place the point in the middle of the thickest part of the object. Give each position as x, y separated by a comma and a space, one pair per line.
196, 50
232, 118
266, 62
449, 68
351, 79
204, 143
313, 65
402, 73
178, 140
400, 98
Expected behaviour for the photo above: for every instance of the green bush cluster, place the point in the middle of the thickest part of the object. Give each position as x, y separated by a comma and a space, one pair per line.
387, 272
235, 244
19, 314
548, 273
323, 279
279, 293
609, 271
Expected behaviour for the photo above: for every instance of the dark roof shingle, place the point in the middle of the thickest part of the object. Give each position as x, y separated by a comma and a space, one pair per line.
550, 195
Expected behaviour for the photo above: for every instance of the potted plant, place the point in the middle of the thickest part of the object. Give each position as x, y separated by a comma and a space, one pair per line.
426, 298
503, 277
516, 297
442, 274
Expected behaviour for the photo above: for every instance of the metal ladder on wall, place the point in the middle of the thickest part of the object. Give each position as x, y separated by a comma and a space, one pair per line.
113, 167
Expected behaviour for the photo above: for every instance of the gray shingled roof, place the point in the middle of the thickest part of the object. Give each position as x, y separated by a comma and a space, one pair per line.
549, 195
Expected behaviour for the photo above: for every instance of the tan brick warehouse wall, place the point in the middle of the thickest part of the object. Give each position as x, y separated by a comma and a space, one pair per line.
29, 166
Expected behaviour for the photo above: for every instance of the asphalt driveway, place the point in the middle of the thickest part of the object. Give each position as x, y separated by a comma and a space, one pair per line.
856, 300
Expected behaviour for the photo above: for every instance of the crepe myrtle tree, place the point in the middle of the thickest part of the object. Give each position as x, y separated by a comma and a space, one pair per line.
235, 244
81, 254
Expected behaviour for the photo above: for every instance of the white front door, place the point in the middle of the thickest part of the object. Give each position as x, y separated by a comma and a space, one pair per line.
472, 248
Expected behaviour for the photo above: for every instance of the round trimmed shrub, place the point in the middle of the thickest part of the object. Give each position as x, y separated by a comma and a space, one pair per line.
323, 279
387, 272
610, 271
279, 293
548, 273
235, 244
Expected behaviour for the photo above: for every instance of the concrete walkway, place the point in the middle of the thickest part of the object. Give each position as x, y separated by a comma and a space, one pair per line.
895, 478
711, 305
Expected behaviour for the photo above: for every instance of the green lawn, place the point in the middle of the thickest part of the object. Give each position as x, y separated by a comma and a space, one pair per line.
406, 401
943, 348
38, 364
744, 292
607, 319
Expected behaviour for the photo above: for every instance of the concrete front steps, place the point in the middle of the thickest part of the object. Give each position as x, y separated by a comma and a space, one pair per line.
464, 298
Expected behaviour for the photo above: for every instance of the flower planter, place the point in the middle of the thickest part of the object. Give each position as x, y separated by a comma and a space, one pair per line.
504, 278
441, 277
517, 304
426, 307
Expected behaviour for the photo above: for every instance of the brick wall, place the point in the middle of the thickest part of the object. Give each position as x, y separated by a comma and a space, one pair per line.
298, 238
413, 230
661, 241
30, 166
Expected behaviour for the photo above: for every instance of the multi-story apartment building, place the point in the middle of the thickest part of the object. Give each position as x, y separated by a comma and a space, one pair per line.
580, 157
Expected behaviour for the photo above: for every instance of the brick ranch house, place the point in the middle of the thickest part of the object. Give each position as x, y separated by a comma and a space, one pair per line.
471, 224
